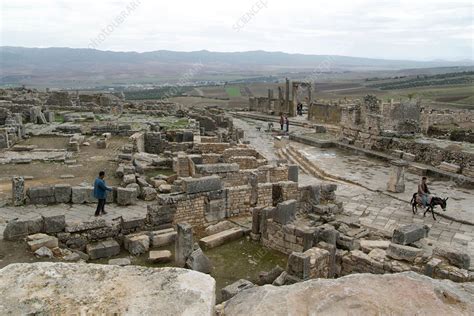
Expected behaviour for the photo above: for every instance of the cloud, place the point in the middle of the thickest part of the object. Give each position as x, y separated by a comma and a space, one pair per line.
423, 29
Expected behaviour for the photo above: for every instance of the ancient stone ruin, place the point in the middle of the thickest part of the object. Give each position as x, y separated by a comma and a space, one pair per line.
201, 195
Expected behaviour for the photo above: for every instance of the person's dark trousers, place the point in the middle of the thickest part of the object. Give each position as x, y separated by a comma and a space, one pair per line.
281, 126
100, 207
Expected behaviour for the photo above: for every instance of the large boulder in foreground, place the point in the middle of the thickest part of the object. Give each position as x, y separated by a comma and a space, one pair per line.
405, 293
63, 288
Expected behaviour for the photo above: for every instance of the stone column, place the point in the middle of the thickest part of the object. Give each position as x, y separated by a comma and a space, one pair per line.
396, 182
294, 100
287, 95
184, 243
18, 191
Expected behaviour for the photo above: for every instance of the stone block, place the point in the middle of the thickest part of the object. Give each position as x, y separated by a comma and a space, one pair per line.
408, 234
285, 212
217, 168
204, 184
35, 224
132, 222
78, 226
235, 288
293, 173
184, 243
215, 210
318, 262
15, 229
18, 191
270, 276
198, 261
456, 257
128, 179
103, 249
219, 227
406, 253
368, 245
136, 244
62, 193
41, 195
159, 256
449, 167
431, 266
54, 223
221, 238
299, 265
347, 243
44, 252
39, 240
148, 194
160, 214
126, 196
120, 261
162, 239
81, 195
188, 136
327, 233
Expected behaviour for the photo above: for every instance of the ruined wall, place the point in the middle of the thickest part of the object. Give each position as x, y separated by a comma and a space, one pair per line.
432, 117
207, 148
402, 116
238, 200
324, 113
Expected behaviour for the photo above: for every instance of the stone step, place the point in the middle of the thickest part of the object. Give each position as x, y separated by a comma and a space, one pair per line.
159, 256
39, 240
103, 249
221, 238
162, 237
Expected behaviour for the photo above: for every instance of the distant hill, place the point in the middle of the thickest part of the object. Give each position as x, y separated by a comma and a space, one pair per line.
76, 67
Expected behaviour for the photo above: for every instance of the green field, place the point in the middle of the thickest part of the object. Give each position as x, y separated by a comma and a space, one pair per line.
233, 92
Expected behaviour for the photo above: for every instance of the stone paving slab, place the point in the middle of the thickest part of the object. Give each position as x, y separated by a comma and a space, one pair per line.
382, 211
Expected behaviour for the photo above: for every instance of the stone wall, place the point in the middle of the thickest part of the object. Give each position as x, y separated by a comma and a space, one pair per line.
324, 113
216, 148
238, 200
432, 117
121, 129
138, 142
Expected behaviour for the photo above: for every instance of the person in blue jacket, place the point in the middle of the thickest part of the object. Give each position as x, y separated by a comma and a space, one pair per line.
100, 193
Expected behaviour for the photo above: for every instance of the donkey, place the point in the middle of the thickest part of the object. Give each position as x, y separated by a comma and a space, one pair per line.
434, 201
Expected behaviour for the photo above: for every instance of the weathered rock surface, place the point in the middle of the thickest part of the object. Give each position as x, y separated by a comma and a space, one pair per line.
61, 289
198, 261
358, 294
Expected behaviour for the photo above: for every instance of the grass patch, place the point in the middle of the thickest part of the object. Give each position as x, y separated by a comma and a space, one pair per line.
233, 91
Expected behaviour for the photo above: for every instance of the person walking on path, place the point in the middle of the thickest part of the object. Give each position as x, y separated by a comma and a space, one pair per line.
100, 193
282, 121
287, 123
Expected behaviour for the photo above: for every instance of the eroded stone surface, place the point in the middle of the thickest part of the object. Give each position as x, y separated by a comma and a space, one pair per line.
60, 288
358, 294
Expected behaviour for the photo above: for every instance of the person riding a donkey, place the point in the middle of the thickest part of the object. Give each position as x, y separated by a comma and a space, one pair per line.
423, 198
423, 192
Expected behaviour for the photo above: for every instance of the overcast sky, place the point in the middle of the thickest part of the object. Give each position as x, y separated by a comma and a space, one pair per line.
413, 29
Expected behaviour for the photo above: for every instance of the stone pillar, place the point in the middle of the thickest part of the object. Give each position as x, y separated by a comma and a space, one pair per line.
310, 95
396, 182
256, 218
293, 173
294, 100
18, 191
184, 243
287, 95
253, 182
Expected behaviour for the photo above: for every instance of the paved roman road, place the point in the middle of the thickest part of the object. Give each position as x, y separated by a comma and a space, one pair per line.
375, 209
